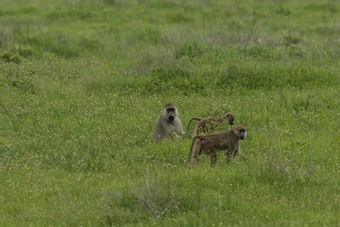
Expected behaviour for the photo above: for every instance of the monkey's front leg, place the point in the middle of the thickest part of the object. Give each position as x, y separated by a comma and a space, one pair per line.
238, 153
175, 135
229, 153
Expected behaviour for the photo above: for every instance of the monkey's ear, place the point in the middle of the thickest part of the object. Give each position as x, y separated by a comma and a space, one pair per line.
235, 131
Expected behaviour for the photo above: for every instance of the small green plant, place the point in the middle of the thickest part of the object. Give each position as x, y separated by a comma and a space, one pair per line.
10, 57
190, 49
291, 40
59, 45
24, 51
152, 199
283, 9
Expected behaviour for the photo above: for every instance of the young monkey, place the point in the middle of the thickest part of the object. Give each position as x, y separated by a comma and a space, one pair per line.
210, 123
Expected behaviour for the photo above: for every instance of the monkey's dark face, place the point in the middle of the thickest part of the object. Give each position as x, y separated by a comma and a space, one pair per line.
230, 118
171, 114
242, 134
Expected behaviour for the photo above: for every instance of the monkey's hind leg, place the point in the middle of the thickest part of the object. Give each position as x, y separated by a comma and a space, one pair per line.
197, 150
213, 155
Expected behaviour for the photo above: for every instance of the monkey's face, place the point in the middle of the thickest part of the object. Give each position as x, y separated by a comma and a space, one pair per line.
171, 114
230, 118
242, 134
231, 122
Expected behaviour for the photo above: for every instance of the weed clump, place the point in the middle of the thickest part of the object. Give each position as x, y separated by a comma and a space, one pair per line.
151, 199
10, 57
163, 79
190, 49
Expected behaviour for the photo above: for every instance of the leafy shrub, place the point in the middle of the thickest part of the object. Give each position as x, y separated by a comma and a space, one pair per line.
235, 76
291, 40
179, 18
147, 34
24, 51
70, 14
58, 45
90, 44
21, 81
163, 79
283, 9
190, 49
10, 57
258, 51
272, 76
161, 4
157, 199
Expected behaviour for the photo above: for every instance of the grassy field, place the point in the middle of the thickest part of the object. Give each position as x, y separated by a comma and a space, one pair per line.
83, 82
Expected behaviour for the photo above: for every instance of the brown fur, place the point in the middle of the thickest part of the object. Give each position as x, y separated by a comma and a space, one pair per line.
207, 123
218, 141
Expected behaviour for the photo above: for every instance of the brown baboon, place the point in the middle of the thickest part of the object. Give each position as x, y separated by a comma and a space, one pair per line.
168, 124
210, 123
217, 141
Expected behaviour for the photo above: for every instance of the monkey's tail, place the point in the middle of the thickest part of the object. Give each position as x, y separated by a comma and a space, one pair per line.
192, 146
193, 118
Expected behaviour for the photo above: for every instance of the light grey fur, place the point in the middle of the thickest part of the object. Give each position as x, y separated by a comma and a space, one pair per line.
164, 127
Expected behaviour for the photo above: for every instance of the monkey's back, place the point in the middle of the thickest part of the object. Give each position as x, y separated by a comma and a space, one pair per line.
222, 140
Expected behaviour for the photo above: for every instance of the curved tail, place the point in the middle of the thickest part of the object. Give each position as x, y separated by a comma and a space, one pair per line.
192, 146
193, 118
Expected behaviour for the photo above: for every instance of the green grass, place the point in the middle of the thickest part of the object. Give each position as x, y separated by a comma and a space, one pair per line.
82, 84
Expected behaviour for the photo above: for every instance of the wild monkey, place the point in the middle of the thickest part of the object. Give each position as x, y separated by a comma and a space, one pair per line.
168, 124
210, 123
218, 141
